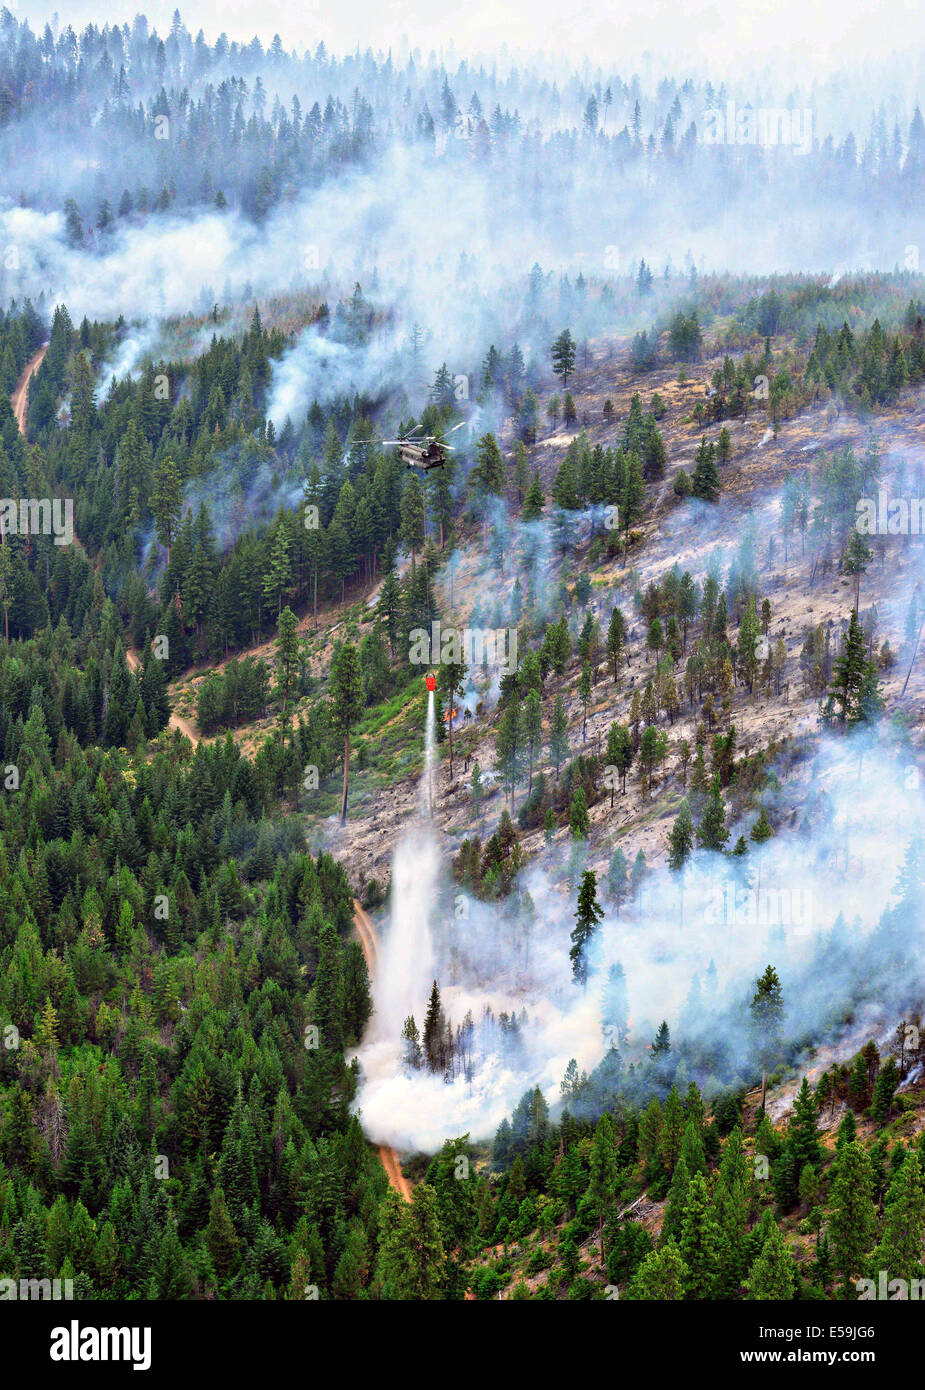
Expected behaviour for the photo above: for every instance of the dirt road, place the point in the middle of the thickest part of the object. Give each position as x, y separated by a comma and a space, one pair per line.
20, 397
176, 721
389, 1158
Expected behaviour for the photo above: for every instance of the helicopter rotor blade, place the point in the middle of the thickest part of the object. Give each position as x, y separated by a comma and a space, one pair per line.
455, 428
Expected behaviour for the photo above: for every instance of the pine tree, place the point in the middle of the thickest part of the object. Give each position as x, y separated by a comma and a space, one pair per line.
681, 838
853, 695
509, 746
584, 694
853, 1222
220, 1235
171, 1277
558, 735
774, 1273
802, 1133
705, 482
166, 503
766, 1015
411, 1251
434, 1029
749, 632
761, 830
672, 1130
676, 1205
278, 576
692, 1149
700, 1242
731, 1205
412, 516
579, 819
655, 637
616, 639
489, 473
287, 651
603, 1172
534, 501
563, 356
855, 560
901, 1245
347, 703
632, 498
587, 916
662, 1277
328, 1011
532, 729
884, 1090
712, 832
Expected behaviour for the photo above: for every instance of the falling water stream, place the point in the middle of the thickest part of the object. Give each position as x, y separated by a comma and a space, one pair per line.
407, 960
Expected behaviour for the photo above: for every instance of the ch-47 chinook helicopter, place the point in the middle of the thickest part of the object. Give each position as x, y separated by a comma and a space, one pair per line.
426, 452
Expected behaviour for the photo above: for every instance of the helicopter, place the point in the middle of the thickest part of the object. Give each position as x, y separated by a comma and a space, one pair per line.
424, 453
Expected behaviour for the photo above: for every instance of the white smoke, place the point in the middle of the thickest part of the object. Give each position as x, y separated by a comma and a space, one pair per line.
829, 861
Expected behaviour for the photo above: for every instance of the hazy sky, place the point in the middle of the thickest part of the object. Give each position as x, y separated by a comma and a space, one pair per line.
809, 37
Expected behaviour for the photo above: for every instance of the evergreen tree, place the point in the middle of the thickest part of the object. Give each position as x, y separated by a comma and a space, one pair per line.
434, 1029
616, 638
802, 1134
662, 1277
773, 1274
166, 503
853, 695
700, 1242
558, 735
676, 1206
411, 1251
766, 1013
603, 1172
534, 501
705, 482
712, 832
563, 356
900, 1250
853, 1222
587, 916
347, 703
287, 651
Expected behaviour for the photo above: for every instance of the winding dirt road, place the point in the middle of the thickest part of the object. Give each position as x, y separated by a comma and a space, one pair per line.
20, 397
176, 722
388, 1157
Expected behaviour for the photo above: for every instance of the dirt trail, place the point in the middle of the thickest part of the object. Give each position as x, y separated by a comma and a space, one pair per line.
20, 397
176, 720
389, 1158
